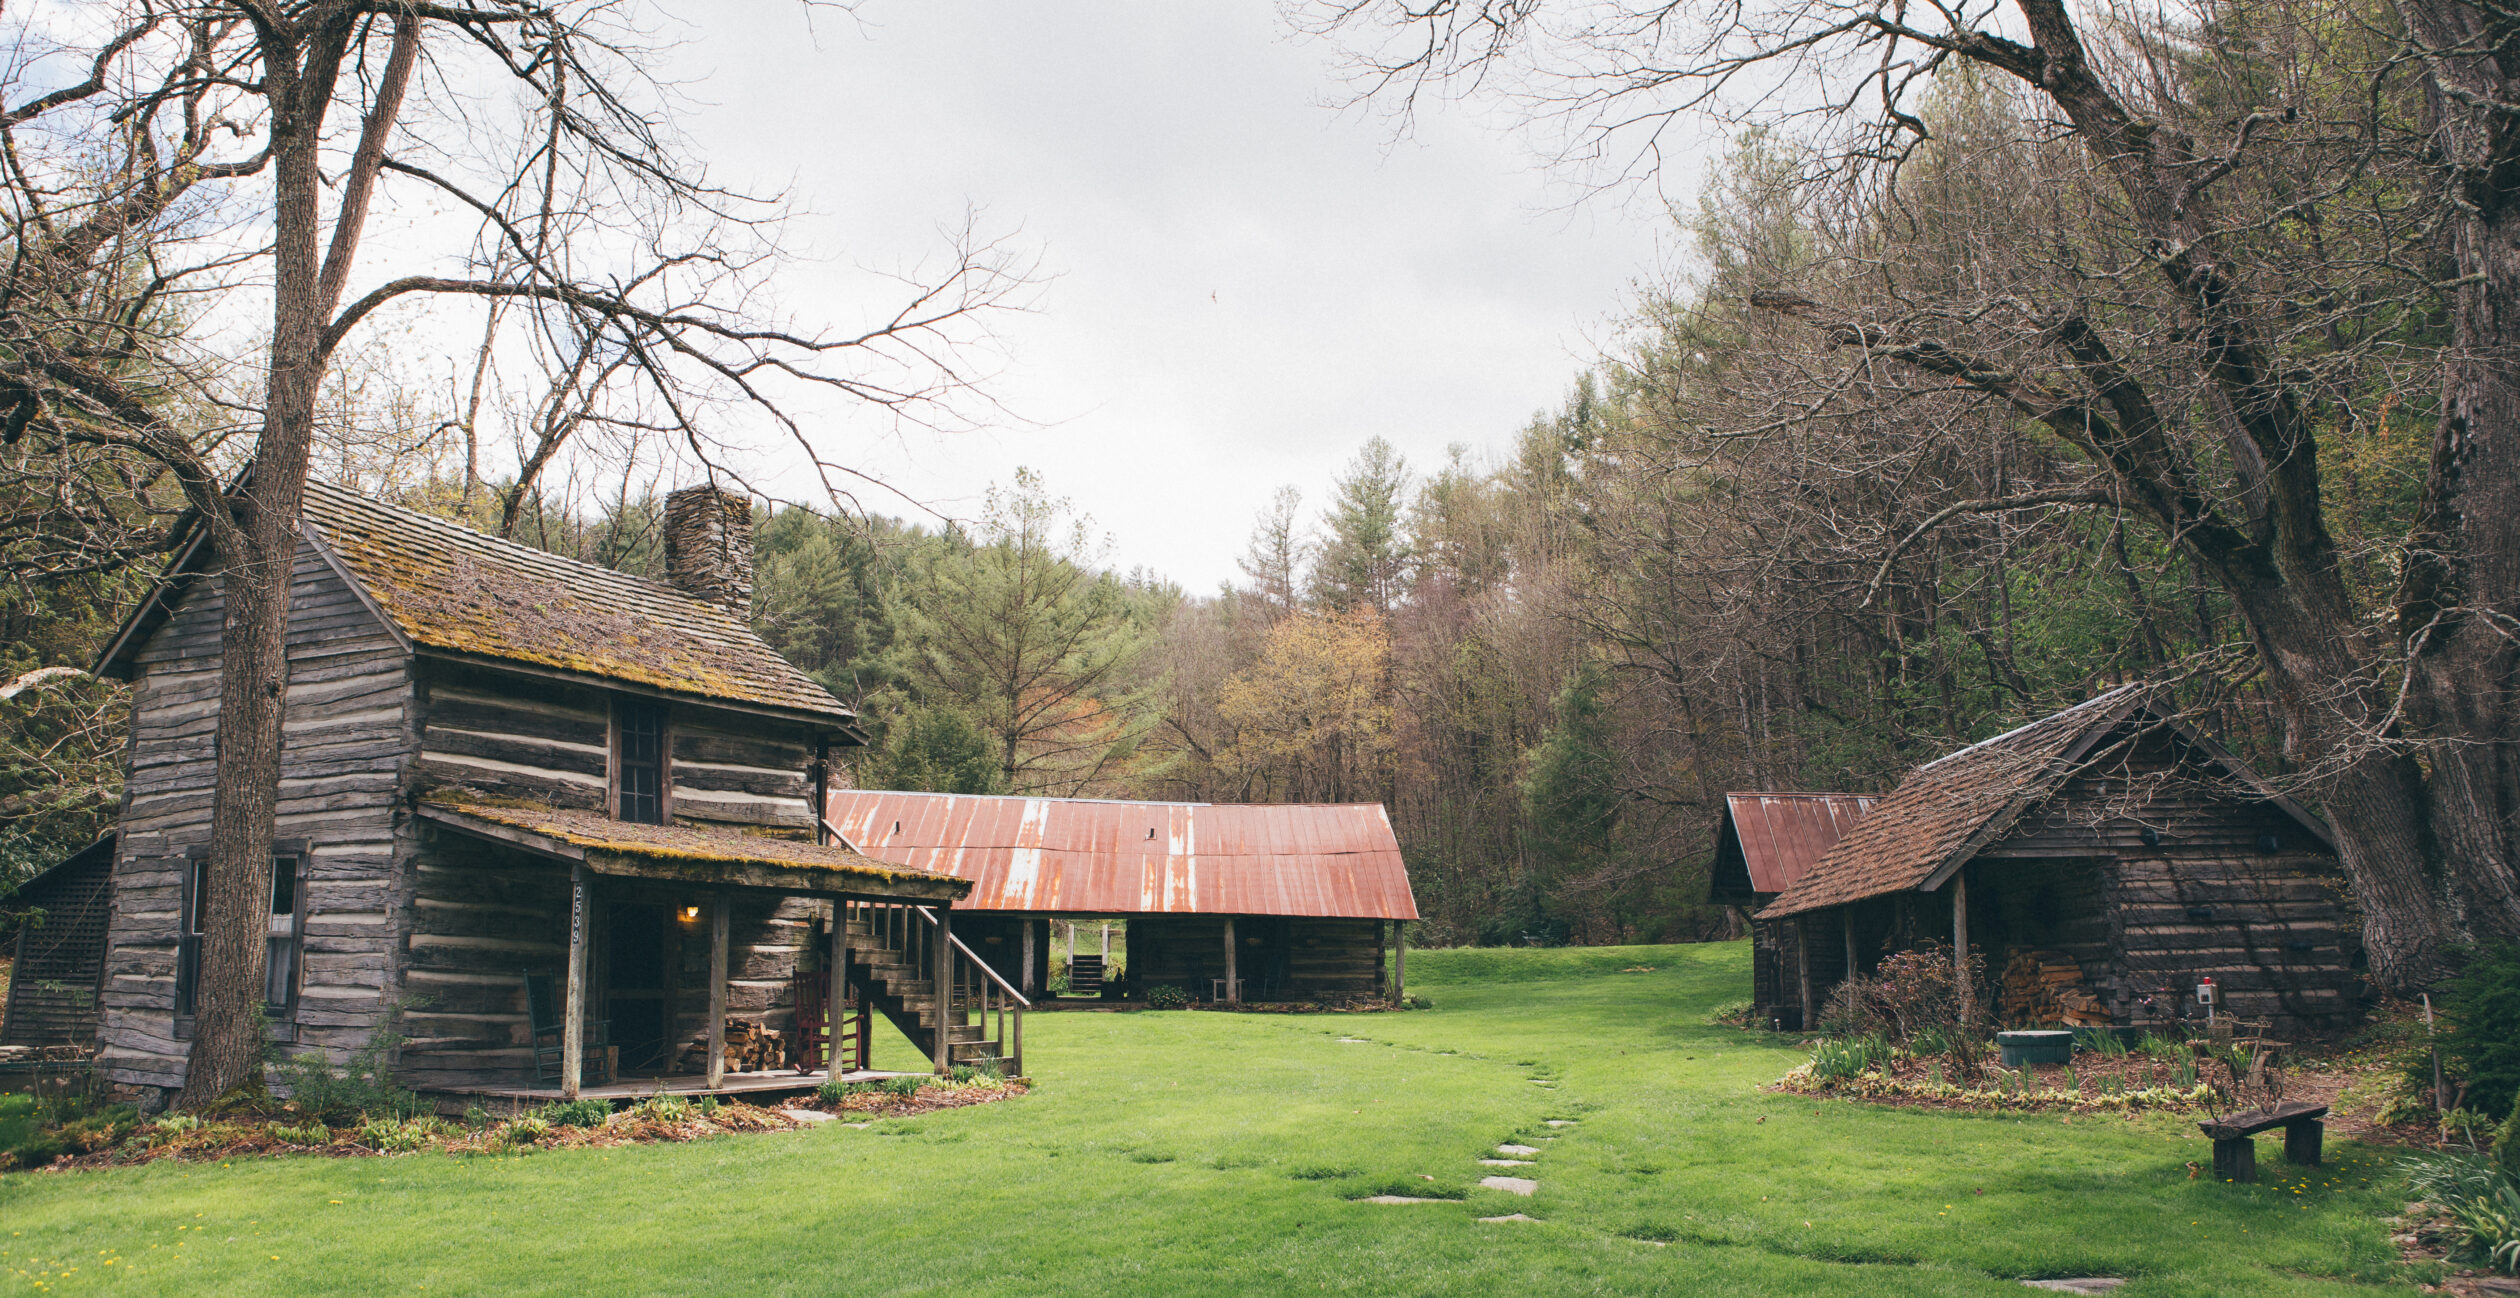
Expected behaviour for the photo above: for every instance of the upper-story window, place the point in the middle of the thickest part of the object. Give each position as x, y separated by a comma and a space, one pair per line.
639, 761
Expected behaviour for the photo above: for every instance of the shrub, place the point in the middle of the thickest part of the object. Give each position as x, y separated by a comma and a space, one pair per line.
1841, 1058
1911, 992
362, 1087
903, 1086
2480, 1040
396, 1135
2480, 1197
313, 1133
666, 1108
525, 1129
576, 1113
1165, 996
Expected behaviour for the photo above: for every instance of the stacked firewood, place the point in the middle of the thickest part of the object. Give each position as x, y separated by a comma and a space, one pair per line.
750, 1048
2044, 987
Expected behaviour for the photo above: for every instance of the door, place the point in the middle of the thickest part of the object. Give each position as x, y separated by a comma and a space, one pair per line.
634, 983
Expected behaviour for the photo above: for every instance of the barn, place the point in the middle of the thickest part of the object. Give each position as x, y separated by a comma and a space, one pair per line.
1229, 902
1764, 844
2104, 861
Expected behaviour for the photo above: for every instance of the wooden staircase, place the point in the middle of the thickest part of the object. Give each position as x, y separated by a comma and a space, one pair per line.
895, 954
1085, 975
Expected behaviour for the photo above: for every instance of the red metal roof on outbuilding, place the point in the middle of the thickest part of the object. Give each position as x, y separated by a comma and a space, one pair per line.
1085, 857
1784, 834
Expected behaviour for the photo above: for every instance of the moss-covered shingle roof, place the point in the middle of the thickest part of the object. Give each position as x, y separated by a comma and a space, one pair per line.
449, 588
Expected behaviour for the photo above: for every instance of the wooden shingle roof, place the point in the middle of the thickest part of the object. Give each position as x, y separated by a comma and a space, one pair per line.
447, 588
1952, 806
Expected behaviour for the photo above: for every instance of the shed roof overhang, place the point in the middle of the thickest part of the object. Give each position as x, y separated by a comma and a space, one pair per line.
679, 854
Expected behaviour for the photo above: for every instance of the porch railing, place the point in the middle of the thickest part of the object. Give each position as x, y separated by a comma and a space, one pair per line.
912, 950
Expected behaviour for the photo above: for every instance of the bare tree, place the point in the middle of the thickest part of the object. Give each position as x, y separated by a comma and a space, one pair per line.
170, 161
2195, 368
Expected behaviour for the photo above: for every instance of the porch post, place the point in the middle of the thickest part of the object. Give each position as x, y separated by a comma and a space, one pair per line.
1802, 964
1399, 960
1960, 940
836, 1003
1028, 955
717, 990
1846, 922
1232, 993
573, 1019
1106, 955
944, 1038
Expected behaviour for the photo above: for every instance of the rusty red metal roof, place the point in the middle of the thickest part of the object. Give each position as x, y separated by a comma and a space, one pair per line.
1784, 834
1088, 857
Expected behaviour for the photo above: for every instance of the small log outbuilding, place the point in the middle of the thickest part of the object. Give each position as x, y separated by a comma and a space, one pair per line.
562, 821
60, 951
1227, 901
1765, 844
2104, 861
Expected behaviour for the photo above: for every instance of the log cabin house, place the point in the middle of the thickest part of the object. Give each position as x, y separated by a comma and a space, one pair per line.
1764, 844
1283, 903
557, 820
2103, 860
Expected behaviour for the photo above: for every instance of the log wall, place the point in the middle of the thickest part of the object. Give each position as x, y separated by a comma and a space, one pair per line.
1305, 958
346, 735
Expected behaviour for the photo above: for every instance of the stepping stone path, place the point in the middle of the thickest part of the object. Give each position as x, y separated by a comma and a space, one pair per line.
1511, 1185
1511, 1216
1515, 1151
1354, 1041
857, 1126
1506, 1162
1398, 1198
2078, 1284
1560, 1122
811, 1117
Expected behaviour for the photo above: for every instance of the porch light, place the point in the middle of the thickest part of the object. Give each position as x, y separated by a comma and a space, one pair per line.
691, 912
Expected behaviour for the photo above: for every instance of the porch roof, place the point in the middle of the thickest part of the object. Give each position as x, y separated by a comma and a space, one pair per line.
688, 855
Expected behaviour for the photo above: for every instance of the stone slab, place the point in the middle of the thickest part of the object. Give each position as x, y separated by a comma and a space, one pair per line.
1510, 1184
1516, 1151
1511, 1216
1507, 1162
813, 1117
2078, 1284
1398, 1198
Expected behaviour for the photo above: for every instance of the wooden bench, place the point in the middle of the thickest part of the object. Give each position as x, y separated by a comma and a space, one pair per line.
2235, 1155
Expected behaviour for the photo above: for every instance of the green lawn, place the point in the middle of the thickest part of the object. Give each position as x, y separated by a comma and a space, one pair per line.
1207, 1154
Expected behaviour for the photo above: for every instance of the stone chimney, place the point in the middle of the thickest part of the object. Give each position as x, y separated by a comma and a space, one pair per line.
708, 547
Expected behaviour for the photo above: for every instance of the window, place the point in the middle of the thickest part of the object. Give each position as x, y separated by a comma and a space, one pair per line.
282, 929
639, 762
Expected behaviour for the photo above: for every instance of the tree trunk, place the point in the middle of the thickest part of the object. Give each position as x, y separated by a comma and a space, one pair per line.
2460, 606
227, 1044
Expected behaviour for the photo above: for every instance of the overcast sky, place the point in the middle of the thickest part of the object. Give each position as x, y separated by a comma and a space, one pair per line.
1247, 284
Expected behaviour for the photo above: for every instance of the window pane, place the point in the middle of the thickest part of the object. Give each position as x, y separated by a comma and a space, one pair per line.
199, 920
279, 973
284, 885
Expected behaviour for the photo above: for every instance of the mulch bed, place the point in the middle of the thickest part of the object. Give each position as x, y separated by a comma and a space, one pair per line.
640, 1124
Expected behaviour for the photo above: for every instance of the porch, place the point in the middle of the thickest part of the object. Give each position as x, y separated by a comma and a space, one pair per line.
678, 936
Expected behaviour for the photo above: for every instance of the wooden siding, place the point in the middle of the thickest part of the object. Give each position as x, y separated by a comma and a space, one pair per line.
1297, 957
740, 770
516, 736
344, 744
485, 915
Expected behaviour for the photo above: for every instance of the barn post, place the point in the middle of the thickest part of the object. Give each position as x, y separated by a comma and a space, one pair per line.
1960, 941
1802, 964
1846, 924
1028, 955
836, 1004
573, 1019
1232, 992
945, 987
717, 990
1399, 960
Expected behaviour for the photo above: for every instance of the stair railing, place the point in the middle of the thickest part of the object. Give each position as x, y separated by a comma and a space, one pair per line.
970, 988
986, 993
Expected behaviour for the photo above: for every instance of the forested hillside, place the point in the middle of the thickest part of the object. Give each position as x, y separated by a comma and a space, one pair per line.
1785, 535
